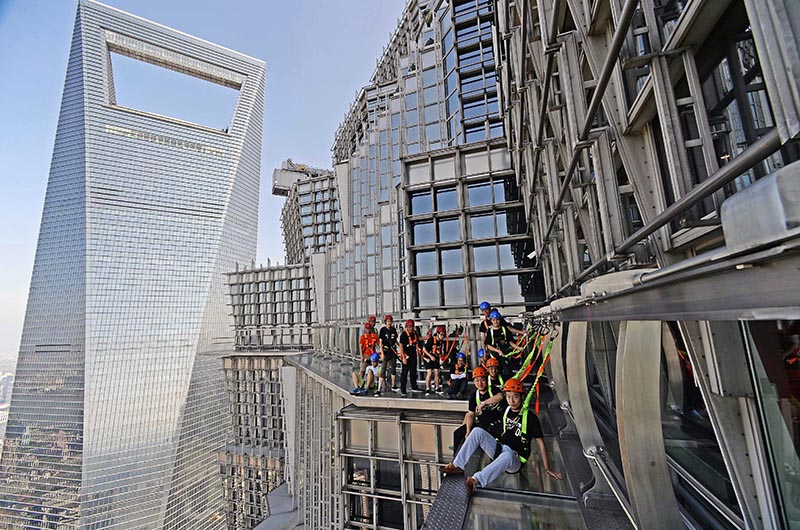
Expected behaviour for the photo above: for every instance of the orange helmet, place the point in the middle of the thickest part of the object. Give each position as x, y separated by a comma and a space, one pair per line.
372, 319
368, 325
479, 371
409, 323
388, 317
441, 329
492, 362
514, 385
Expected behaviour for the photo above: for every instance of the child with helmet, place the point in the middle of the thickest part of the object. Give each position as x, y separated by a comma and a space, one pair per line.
368, 344
458, 377
512, 446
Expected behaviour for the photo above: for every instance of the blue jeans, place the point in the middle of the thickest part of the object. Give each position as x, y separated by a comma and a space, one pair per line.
507, 460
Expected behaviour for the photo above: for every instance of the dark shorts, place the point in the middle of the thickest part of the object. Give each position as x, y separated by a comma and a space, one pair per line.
432, 365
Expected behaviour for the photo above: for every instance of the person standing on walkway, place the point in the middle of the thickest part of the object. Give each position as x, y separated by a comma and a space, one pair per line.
408, 345
388, 340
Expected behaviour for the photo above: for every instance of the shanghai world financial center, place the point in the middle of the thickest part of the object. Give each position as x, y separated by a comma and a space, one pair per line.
589, 167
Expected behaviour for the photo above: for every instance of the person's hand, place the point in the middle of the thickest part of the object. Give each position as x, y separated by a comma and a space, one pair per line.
553, 474
479, 408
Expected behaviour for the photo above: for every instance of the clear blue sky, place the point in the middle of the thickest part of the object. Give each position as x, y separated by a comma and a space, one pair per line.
318, 54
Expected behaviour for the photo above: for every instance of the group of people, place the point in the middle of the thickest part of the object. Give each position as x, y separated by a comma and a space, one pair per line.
380, 351
497, 420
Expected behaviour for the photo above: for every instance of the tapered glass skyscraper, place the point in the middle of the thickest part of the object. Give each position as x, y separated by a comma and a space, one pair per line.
119, 405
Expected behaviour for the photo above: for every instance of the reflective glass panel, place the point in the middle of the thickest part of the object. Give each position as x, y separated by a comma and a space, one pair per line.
426, 263
506, 257
479, 194
449, 230
428, 293
512, 290
485, 259
451, 261
421, 203
446, 199
482, 226
424, 234
454, 292
488, 288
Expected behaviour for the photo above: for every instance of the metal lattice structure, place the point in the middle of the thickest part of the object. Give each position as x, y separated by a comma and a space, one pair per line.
252, 463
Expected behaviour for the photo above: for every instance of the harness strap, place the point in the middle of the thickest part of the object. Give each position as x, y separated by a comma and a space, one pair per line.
524, 412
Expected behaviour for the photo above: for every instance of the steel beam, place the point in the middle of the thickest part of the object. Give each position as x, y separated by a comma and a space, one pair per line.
582, 413
639, 424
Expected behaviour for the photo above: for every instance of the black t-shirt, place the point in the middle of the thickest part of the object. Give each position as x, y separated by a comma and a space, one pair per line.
512, 435
434, 346
481, 397
500, 338
388, 336
409, 342
490, 418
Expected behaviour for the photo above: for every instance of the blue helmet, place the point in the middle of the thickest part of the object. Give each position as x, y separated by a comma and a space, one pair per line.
375, 357
460, 355
495, 314
485, 305
481, 353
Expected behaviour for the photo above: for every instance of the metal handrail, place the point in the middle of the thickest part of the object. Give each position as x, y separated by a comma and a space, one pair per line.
599, 456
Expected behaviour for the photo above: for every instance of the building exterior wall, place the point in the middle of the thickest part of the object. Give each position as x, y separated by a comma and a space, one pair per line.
252, 463
435, 88
273, 308
118, 410
310, 216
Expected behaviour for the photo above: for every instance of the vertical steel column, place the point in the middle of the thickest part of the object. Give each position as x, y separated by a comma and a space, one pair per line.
578, 388
639, 423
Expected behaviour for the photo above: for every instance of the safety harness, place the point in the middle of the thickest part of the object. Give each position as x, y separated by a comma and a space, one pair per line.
524, 413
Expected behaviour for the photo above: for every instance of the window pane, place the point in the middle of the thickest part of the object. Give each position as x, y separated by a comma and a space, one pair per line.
479, 194
512, 290
449, 230
502, 224
451, 261
387, 441
444, 168
446, 199
454, 292
390, 513
418, 173
429, 77
426, 263
488, 288
482, 225
424, 234
428, 293
506, 257
501, 159
431, 113
421, 203
499, 192
476, 162
485, 260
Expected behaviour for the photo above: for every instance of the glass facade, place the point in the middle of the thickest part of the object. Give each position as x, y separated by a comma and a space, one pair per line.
118, 411
273, 308
435, 89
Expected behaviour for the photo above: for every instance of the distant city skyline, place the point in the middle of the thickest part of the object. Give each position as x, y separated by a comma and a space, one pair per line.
309, 84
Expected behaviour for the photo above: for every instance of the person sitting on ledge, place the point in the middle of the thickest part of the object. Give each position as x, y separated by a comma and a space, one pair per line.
373, 375
458, 378
513, 448
483, 396
493, 367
